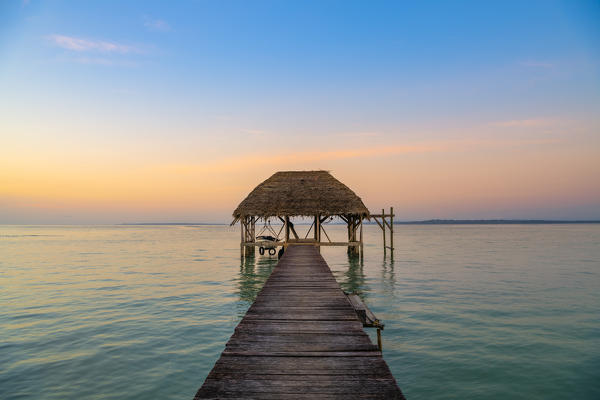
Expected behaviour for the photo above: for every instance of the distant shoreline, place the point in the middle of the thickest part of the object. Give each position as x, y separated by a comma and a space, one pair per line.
424, 222
494, 222
173, 223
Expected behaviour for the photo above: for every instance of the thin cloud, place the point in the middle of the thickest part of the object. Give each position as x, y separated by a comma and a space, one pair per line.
104, 61
311, 158
358, 134
89, 45
524, 123
156, 24
305, 157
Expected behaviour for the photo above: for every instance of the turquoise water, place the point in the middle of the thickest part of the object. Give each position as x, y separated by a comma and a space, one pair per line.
143, 312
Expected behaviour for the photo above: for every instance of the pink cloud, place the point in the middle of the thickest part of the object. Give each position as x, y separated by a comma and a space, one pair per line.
156, 24
84, 45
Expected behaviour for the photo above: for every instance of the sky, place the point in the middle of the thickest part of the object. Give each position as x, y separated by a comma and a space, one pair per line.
144, 111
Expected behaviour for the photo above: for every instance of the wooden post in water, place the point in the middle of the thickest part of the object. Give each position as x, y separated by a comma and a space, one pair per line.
248, 235
350, 224
383, 221
392, 230
361, 237
318, 231
253, 237
242, 239
353, 249
353, 224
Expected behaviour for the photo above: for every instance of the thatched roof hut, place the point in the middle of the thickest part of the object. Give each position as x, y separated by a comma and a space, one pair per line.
300, 193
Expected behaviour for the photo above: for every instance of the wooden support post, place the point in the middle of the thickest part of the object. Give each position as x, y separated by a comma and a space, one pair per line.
293, 230
252, 236
353, 223
361, 237
287, 229
379, 344
383, 229
242, 239
349, 232
248, 231
309, 229
392, 230
318, 231
358, 234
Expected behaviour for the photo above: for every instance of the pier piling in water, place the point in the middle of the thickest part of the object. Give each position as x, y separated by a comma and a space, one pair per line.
301, 338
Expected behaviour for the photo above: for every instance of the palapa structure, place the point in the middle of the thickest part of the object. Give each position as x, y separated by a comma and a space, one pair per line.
315, 194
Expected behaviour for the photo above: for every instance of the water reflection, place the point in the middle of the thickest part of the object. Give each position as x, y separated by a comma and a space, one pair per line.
354, 277
254, 271
388, 276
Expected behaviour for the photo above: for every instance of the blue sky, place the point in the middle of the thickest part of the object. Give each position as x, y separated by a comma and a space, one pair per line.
110, 87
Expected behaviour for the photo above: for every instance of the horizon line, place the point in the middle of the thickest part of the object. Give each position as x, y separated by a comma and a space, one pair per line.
435, 221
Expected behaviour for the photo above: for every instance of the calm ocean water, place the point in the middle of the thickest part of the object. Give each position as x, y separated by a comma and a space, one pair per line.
143, 312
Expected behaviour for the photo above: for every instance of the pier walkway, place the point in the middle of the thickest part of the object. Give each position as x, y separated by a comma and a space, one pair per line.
300, 339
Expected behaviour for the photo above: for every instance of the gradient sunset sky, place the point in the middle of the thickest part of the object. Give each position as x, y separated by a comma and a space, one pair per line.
137, 111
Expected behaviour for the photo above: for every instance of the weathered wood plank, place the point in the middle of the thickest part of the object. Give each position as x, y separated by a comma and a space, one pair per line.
300, 339
301, 310
267, 365
285, 327
310, 327
287, 316
284, 396
302, 302
352, 388
290, 347
302, 353
299, 293
348, 375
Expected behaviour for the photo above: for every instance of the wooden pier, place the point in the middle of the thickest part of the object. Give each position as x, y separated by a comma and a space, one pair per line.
300, 339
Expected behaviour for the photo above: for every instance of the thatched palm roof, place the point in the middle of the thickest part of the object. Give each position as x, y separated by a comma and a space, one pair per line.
300, 193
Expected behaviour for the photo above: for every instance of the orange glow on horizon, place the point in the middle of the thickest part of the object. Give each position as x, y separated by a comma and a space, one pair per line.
434, 176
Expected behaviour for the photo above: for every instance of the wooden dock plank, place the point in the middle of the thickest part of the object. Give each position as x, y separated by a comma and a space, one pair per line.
267, 365
351, 388
301, 338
